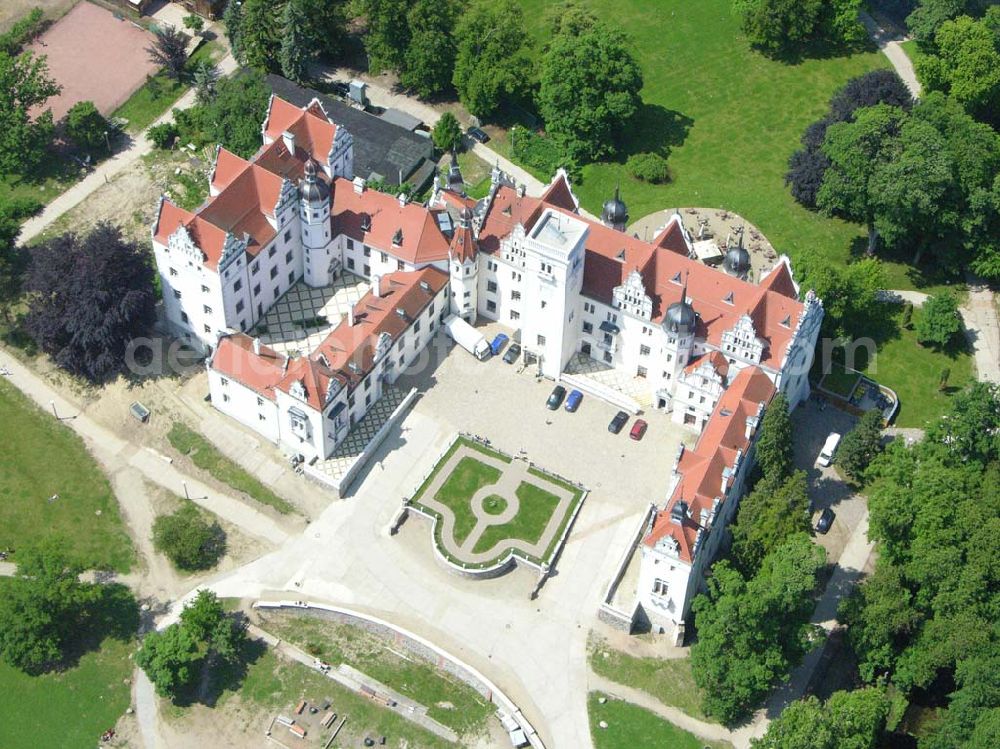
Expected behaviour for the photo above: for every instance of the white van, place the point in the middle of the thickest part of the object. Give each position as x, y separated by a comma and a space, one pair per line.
829, 449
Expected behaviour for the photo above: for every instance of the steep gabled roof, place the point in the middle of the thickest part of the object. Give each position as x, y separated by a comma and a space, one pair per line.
235, 359
313, 131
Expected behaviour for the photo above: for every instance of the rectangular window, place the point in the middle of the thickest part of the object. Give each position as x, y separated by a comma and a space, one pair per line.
640, 372
173, 271
491, 286
660, 587
238, 285
291, 277
467, 294
541, 340
288, 257
208, 310
271, 251
491, 306
239, 306
274, 272
608, 357
288, 236
588, 327
368, 251
416, 326
515, 315
204, 289
368, 271
350, 244
208, 329
644, 351
177, 294
385, 257
256, 290
399, 265
515, 295
260, 401
350, 263
225, 398
254, 268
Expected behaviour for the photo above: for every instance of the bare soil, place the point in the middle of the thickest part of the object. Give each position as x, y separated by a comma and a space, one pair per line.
12, 11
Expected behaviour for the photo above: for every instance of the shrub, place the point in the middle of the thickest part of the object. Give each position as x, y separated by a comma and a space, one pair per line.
86, 127
22, 32
939, 322
649, 167
163, 136
188, 540
541, 153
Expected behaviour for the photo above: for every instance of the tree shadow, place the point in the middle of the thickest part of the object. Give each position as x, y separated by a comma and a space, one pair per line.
655, 129
819, 49
113, 613
217, 676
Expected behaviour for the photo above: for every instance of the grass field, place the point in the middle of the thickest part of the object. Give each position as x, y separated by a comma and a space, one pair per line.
728, 117
468, 477
69, 709
159, 92
341, 643
668, 680
41, 458
278, 685
839, 381
630, 727
206, 456
533, 516
914, 371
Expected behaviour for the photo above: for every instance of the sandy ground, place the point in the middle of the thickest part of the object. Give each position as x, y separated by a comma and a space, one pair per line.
12, 11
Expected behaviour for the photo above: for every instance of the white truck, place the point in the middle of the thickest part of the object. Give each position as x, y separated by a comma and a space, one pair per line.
467, 337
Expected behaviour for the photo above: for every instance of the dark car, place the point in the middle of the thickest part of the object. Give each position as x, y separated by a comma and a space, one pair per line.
573, 400
513, 351
825, 520
617, 423
340, 88
478, 134
638, 429
556, 398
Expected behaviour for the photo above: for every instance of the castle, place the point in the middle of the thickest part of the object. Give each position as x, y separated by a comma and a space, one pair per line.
709, 345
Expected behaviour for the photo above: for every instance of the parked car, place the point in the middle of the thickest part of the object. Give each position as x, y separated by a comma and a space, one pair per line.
556, 398
825, 520
478, 134
573, 400
617, 423
513, 351
829, 450
339, 88
498, 342
638, 429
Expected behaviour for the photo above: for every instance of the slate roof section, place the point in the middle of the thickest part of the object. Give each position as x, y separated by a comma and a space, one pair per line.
380, 147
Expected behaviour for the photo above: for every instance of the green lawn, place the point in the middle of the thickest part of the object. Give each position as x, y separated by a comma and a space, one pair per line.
206, 456
533, 516
468, 477
914, 371
41, 458
630, 727
839, 381
341, 643
729, 117
276, 684
158, 93
69, 709
667, 679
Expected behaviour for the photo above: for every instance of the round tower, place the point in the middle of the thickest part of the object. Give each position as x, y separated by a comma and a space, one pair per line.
679, 323
463, 267
314, 211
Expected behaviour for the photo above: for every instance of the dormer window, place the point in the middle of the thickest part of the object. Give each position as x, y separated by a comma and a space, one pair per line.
729, 298
677, 278
366, 222
621, 256
397, 238
787, 322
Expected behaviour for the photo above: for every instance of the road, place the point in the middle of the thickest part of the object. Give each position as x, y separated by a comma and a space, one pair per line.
891, 48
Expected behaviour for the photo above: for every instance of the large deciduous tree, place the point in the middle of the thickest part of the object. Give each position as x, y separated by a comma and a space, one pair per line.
939, 323
26, 85
88, 297
429, 60
86, 127
491, 63
848, 720
188, 539
861, 445
447, 133
170, 659
589, 89
388, 34
767, 516
751, 633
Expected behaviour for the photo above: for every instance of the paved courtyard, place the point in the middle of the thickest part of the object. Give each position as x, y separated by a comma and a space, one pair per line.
615, 378
285, 332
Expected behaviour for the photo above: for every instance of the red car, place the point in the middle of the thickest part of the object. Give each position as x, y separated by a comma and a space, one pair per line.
638, 429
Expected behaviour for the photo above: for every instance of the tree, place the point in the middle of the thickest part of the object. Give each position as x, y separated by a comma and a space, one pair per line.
13, 259
86, 127
388, 34
848, 720
232, 119
447, 133
850, 295
971, 429
260, 34
169, 659
429, 61
771, 513
775, 446
194, 22
207, 621
232, 19
42, 608
26, 85
861, 445
490, 56
88, 297
939, 322
929, 15
325, 25
776, 27
966, 64
188, 539
206, 78
589, 90
751, 633
296, 46
169, 50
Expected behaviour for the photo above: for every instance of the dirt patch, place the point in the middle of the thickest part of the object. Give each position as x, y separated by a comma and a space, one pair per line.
12, 11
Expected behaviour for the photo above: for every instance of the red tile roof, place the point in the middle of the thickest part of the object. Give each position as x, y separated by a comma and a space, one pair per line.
559, 193
701, 469
234, 358
719, 363
313, 131
244, 206
421, 238
463, 244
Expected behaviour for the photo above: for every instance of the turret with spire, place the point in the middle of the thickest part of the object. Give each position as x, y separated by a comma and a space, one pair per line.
615, 213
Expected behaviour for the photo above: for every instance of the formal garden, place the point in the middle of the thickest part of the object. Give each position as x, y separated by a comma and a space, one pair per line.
488, 507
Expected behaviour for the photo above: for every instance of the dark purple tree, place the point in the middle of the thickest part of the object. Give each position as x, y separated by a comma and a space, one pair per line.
87, 298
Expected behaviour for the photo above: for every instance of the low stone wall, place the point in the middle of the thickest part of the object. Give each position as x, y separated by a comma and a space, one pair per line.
607, 612
420, 648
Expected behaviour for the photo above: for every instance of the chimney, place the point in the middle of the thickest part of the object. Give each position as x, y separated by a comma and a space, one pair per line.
350, 316
520, 191
289, 139
359, 185
256, 346
377, 286
402, 199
